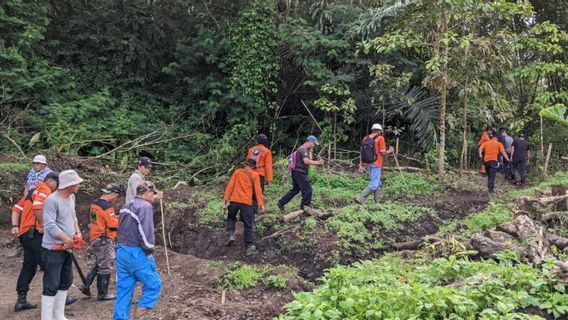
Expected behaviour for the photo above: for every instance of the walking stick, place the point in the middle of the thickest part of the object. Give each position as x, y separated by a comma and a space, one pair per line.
164, 235
398, 166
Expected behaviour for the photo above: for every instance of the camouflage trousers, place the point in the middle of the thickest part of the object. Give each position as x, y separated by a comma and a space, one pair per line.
104, 255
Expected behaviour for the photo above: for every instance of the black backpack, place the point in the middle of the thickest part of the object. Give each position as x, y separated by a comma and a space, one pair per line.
368, 152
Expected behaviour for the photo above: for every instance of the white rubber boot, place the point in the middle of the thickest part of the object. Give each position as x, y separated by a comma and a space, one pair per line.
59, 305
47, 307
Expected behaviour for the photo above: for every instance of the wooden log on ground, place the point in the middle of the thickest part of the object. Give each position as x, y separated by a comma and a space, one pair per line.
292, 215
313, 212
526, 203
560, 190
561, 272
554, 216
537, 249
508, 227
415, 244
499, 236
487, 247
410, 169
560, 242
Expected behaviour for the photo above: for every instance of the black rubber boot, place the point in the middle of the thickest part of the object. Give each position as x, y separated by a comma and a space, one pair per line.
22, 303
103, 280
86, 288
69, 300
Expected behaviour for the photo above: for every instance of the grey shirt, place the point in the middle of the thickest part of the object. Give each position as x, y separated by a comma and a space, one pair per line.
133, 182
58, 217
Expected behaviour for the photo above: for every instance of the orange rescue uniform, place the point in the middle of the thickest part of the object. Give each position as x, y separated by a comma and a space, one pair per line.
240, 187
103, 220
263, 157
380, 146
491, 150
32, 201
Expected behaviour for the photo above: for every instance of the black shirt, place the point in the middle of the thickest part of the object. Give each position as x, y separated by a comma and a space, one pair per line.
301, 153
521, 148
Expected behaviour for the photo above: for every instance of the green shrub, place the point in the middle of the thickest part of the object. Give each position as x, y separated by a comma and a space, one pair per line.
409, 184
392, 288
241, 277
276, 281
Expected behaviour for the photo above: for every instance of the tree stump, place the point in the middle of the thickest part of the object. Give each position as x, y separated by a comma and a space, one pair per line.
560, 190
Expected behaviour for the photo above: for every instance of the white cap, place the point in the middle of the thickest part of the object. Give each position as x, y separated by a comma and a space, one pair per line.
68, 178
377, 126
39, 159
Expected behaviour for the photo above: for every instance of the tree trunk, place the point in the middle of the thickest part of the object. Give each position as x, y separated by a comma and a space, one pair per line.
442, 121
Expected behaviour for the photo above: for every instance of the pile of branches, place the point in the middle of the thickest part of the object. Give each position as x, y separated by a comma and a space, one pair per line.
529, 234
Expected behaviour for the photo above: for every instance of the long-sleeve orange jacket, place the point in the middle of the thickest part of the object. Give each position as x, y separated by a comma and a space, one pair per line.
103, 220
243, 184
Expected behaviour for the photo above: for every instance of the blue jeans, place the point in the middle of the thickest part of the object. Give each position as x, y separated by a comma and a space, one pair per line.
132, 265
374, 177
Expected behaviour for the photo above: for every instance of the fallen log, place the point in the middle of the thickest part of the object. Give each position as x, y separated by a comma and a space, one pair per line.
560, 190
313, 212
537, 249
555, 216
487, 247
415, 244
292, 215
508, 227
499, 236
558, 241
526, 203
411, 169
561, 272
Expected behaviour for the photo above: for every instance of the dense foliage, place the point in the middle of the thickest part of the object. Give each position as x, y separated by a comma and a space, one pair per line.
391, 288
193, 81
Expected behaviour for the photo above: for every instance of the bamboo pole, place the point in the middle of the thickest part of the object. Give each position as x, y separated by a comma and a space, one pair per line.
164, 236
547, 158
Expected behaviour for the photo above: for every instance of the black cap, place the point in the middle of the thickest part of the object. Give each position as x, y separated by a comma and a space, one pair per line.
262, 139
250, 162
53, 175
145, 161
145, 186
113, 188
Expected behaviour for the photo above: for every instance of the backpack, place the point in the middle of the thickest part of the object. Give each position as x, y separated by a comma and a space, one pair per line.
292, 160
256, 153
368, 152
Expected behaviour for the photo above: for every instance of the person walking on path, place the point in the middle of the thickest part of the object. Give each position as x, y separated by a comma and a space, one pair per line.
489, 153
60, 230
373, 149
263, 157
134, 254
507, 143
299, 162
102, 235
27, 218
520, 154
142, 170
484, 138
241, 190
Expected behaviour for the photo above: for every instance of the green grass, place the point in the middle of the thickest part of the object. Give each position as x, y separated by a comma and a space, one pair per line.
394, 288
14, 167
409, 184
241, 277
360, 226
495, 214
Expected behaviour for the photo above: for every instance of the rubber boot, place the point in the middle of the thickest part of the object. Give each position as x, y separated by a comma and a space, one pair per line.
363, 195
70, 300
47, 304
86, 288
250, 249
377, 195
231, 240
59, 305
22, 303
103, 280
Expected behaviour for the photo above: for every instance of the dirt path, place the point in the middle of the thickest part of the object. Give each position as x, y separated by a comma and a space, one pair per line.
189, 293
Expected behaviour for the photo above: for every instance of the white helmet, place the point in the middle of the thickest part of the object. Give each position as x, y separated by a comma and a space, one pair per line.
376, 126
39, 159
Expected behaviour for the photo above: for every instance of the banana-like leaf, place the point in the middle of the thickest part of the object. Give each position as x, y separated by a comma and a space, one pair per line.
556, 113
35, 139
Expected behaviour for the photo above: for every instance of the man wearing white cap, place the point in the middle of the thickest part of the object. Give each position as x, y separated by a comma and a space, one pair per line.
37, 172
61, 229
373, 148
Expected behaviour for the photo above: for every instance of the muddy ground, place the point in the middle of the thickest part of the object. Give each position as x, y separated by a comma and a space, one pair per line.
198, 257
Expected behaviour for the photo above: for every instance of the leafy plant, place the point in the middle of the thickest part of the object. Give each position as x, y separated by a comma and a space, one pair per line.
241, 277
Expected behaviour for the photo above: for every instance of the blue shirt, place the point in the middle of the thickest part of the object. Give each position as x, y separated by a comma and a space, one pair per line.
34, 177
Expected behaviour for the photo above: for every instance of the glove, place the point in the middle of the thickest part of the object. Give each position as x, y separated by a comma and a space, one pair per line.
77, 245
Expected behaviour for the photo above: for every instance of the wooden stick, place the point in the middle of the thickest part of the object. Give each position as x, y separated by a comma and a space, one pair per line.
399, 169
286, 218
164, 236
547, 159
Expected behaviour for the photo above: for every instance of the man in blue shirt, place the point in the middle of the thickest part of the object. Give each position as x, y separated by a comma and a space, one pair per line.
134, 254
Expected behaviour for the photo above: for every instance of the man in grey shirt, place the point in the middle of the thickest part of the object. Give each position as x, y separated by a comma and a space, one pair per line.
60, 228
143, 169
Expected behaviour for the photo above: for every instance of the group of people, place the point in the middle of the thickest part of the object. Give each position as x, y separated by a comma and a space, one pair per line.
244, 194
45, 221
500, 152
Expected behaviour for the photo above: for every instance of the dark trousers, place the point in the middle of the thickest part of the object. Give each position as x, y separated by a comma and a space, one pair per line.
254, 202
300, 182
58, 274
507, 167
31, 242
519, 170
491, 169
247, 217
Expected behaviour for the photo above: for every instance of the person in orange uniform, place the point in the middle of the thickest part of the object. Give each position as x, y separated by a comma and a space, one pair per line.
484, 138
243, 186
263, 157
489, 152
27, 224
104, 223
374, 164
